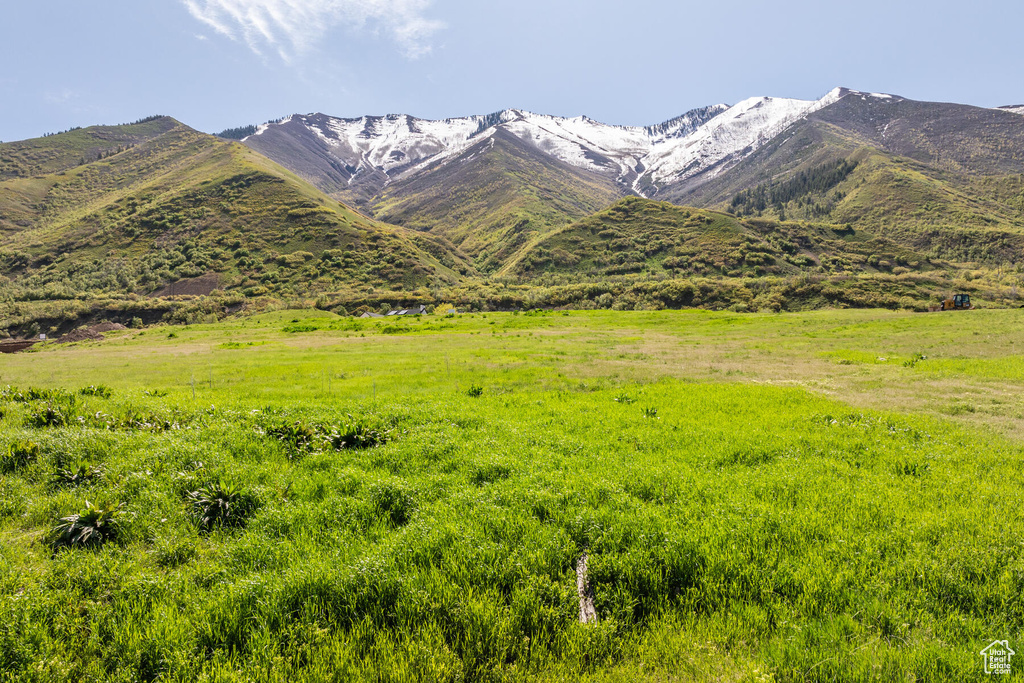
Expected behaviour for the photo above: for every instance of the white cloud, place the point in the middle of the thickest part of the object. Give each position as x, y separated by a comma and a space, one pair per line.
291, 27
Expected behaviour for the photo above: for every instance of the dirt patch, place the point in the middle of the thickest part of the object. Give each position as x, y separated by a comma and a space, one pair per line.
90, 333
191, 286
15, 346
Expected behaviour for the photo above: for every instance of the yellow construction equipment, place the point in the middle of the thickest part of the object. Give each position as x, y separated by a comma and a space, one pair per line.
959, 302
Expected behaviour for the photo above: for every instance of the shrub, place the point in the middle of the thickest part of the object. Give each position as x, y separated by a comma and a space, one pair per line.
220, 505
90, 528
475, 391
19, 454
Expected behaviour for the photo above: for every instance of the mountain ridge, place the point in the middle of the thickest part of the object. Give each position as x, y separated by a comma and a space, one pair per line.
377, 150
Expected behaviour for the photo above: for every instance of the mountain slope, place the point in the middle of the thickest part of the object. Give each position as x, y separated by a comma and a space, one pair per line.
166, 202
358, 157
494, 197
941, 178
494, 183
652, 238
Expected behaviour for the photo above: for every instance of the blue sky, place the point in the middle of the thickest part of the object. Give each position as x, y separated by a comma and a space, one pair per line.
219, 63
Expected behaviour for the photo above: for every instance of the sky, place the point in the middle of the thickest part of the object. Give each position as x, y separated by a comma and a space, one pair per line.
214, 64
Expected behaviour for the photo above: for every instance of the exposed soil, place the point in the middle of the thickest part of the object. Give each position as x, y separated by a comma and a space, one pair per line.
89, 333
15, 346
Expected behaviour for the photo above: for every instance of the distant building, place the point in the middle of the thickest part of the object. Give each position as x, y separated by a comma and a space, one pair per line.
371, 314
410, 311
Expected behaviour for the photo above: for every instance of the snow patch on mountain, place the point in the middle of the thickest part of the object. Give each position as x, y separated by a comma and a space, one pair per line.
742, 128
1015, 108
401, 146
262, 128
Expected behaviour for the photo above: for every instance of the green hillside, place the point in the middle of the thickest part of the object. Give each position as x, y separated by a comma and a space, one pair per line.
641, 236
945, 180
132, 209
495, 198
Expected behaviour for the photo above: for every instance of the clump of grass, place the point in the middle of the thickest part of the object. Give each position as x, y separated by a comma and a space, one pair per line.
914, 360
50, 416
488, 473
71, 478
296, 435
651, 413
33, 394
624, 399
475, 391
393, 503
356, 435
959, 409
89, 528
174, 552
18, 455
911, 469
221, 505
155, 393
100, 390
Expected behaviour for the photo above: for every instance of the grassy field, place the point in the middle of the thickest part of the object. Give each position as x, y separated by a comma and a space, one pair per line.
832, 495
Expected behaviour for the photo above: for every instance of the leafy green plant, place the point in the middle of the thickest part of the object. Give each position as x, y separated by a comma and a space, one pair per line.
36, 394
89, 528
52, 415
475, 391
70, 478
624, 398
296, 435
651, 413
356, 435
914, 360
221, 505
100, 390
18, 455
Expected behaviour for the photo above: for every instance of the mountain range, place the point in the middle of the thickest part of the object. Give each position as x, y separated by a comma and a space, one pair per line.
313, 205
492, 184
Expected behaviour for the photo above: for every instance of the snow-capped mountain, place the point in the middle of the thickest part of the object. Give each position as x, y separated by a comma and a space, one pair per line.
380, 150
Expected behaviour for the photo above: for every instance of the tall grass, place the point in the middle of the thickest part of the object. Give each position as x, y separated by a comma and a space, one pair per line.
391, 526
747, 531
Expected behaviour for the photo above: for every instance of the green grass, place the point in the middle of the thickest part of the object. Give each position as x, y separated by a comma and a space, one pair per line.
752, 507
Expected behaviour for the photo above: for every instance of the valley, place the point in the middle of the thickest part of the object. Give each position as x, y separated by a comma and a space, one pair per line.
856, 199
